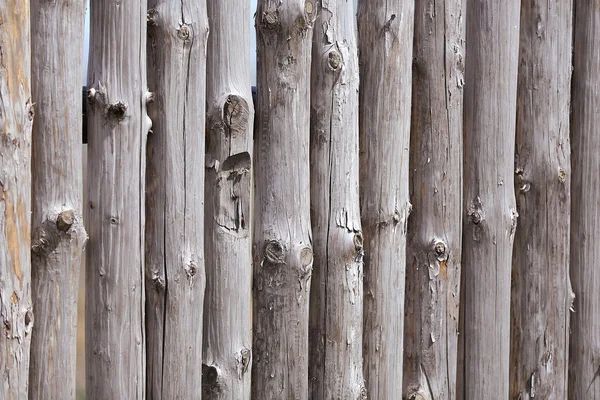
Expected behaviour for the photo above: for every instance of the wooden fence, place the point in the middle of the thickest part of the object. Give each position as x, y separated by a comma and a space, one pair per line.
409, 209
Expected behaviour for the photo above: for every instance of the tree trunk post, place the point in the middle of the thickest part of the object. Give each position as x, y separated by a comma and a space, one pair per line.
434, 227
541, 287
385, 32
490, 215
175, 278
228, 214
57, 225
283, 254
584, 358
16, 118
117, 128
335, 366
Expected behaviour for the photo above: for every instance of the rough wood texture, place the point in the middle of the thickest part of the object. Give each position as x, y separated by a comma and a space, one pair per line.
385, 30
16, 116
57, 225
175, 279
434, 227
283, 254
117, 128
335, 367
227, 309
584, 358
490, 214
541, 289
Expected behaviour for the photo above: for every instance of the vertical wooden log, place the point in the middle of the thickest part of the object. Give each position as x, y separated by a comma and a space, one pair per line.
335, 367
434, 227
489, 199
541, 287
283, 254
58, 232
117, 127
385, 30
584, 356
175, 279
16, 117
228, 215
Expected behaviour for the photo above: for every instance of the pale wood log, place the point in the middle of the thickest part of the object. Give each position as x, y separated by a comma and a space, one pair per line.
16, 117
434, 227
385, 29
540, 298
228, 212
174, 276
283, 254
335, 366
117, 128
584, 355
490, 215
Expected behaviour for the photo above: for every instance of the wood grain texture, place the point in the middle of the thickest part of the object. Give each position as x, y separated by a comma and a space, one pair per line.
283, 256
16, 117
117, 128
335, 366
584, 356
175, 278
57, 224
490, 214
385, 30
434, 227
541, 293
228, 213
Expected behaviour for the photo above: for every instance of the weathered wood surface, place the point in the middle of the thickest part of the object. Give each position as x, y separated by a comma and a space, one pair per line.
335, 330
584, 357
434, 227
175, 278
230, 113
385, 29
540, 280
16, 117
57, 224
117, 128
490, 214
283, 254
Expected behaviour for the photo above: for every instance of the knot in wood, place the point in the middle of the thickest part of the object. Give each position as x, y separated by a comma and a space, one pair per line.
65, 220
184, 32
152, 17
191, 269
475, 217
358, 241
270, 20
274, 252
28, 318
116, 111
308, 7
335, 60
440, 250
306, 257
30, 110
562, 175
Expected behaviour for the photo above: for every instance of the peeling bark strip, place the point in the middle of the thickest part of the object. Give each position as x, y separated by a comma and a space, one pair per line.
117, 127
489, 200
175, 279
335, 367
16, 117
385, 30
434, 227
58, 232
282, 235
228, 311
541, 288
584, 358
